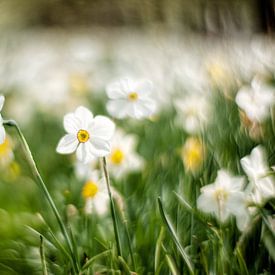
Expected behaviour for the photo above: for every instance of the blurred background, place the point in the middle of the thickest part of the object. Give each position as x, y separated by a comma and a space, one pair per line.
201, 16
58, 54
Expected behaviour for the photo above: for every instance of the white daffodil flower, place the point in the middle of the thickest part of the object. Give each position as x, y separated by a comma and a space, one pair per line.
193, 113
89, 136
256, 100
123, 157
95, 194
130, 99
261, 183
224, 197
2, 129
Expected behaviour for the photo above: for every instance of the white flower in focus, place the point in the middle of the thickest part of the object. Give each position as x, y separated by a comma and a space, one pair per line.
130, 99
261, 184
89, 136
123, 158
95, 194
256, 100
2, 129
224, 197
193, 113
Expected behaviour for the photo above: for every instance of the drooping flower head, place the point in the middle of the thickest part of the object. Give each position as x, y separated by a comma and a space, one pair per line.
130, 99
2, 129
89, 136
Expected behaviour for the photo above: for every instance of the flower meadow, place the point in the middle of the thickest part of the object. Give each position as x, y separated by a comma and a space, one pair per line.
160, 160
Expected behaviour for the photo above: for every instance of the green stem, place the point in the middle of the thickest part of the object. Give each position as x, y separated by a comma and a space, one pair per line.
129, 243
113, 211
42, 255
43, 187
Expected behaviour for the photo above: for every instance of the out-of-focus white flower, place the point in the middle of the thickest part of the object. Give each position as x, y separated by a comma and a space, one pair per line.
123, 158
84, 170
224, 197
2, 129
193, 112
6, 153
95, 194
89, 136
130, 98
261, 184
256, 100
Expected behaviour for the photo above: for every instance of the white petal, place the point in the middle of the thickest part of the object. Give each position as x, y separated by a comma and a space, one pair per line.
2, 100
116, 90
143, 88
144, 108
85, 116
2, 134
102, 128
236, 203
207, 203
243, 220
99, 147
67, 144
101, 203
83, 153
254, 164
71, 123
119, 108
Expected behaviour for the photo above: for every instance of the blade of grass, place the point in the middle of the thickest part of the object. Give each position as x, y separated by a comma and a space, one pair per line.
42, 255
113, 210
241, 261
124, 265
158, 248
95, 258
174, 237
172, 265
44, 188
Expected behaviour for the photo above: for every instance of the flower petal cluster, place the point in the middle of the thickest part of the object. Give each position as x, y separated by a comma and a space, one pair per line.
193, 113
95, 194
2, 129
130, 98
256, 100
89, 136
225, 197
261, 184
123, 157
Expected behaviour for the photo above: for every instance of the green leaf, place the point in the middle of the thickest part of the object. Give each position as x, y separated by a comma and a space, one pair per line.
95, 258
174, 236
172, 265
42, 255
158, 248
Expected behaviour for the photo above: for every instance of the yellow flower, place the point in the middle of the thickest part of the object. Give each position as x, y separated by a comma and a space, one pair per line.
193, 154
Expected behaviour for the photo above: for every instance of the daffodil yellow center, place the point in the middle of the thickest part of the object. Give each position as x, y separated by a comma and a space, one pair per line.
133, 96
89, 190
117, 156
5, 148
221, 195
83, 136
